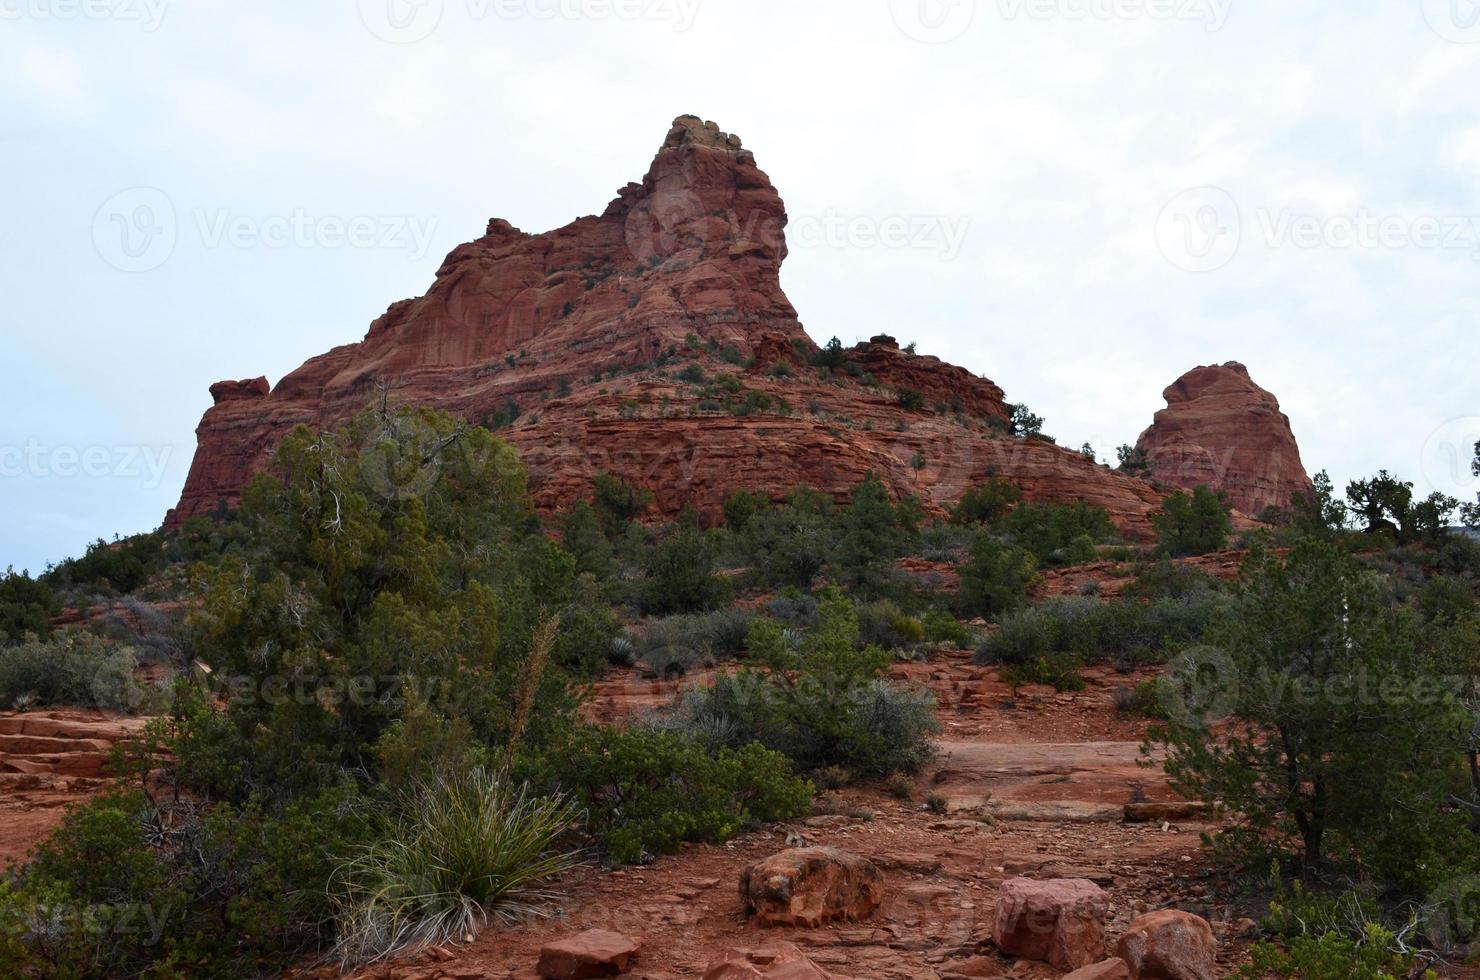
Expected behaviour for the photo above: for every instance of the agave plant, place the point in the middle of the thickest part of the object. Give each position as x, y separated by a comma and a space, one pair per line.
468, 846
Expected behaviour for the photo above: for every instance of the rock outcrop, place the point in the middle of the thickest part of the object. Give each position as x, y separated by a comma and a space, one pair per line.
654, 341
811, 886
1221, 429
1061, 922
1169, 945
587, 955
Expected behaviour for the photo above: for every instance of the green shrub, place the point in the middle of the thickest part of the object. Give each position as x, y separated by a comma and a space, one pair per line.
1343, 701
74, 669
677, 644
1332, 956
1126, 632
1058, 534
618, 501
987, 503
679, 575
1144, 699
127, 886
942, 627
125, 565
995, 579
647, 791
1193, 524
1059, 670
26, 606
819, 699
881, 623
464, 846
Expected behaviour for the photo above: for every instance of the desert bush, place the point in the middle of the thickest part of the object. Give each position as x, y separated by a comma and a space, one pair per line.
646, 791
26, 606
995, 579
1127, 632
942, 627
122, 566
1058, 534
1165, 579
463, 847
1193, 524
619, 502
1333, 956
679, 575
817, 697
677, 644
128, 886
870, 535
1144, 699
882, 623
72, 669
987, 503
1351, 746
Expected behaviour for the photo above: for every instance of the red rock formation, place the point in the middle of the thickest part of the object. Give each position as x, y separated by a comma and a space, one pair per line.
1221, 429
584, 328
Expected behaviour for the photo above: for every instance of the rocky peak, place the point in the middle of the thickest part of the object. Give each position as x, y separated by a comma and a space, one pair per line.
655, 341
1221, 429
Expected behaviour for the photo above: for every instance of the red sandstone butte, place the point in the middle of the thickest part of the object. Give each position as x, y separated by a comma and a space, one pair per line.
1221, 429
585, 329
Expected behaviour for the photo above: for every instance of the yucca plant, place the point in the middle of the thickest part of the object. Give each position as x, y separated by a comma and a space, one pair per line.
468, 846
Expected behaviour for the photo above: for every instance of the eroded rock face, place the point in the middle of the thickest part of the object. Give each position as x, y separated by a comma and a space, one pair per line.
1169, 945
1060, 922
583, 330
808, 887
1221, 429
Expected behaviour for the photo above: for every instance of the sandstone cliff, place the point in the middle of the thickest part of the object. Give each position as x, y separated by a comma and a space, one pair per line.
655, 341
1221, 429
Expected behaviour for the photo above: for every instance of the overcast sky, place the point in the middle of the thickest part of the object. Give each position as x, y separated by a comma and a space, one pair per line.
1080, 199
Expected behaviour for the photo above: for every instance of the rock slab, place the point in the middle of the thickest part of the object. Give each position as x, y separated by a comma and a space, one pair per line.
594, 953
1061, 922
808, 887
